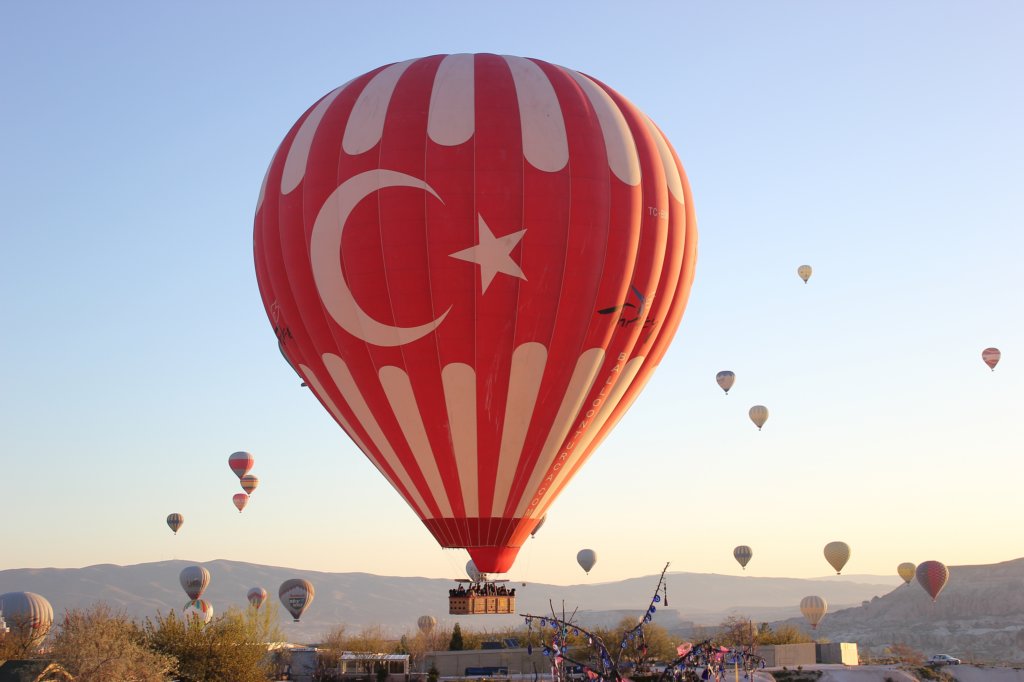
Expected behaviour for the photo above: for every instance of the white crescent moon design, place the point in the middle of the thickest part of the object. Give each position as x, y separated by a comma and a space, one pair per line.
324, 255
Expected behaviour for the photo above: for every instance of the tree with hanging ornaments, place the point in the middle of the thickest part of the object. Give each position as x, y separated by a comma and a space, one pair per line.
603, 659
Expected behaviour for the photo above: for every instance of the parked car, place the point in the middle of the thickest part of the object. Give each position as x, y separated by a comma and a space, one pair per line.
943, 659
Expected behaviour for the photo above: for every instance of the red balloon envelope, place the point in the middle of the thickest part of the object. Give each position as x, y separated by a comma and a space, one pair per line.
475, 262
932, 575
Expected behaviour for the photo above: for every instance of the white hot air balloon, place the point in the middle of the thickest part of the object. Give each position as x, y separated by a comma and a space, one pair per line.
200, 609
474, 575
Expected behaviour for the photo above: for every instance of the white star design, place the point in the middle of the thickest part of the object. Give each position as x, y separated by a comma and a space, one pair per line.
492, 255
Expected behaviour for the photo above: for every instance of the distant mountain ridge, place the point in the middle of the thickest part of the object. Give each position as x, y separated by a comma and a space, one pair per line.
357, 599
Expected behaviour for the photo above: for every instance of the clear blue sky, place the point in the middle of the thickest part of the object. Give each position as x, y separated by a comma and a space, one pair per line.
879, 142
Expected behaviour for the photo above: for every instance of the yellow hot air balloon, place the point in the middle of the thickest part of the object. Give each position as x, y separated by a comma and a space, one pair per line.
805, 272
837, 554
759, 415
906, 570
814, 609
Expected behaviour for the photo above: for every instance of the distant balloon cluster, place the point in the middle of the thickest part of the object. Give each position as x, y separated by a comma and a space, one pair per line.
241, 463
296, 594
931, 575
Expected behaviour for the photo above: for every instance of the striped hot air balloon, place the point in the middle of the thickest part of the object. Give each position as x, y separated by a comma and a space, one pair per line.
475, 262
28, 615
991, 357
743, 555
814, 609
906, 571
175, 521
426, 624
725, 380
932, 576
837, 554
249, 483
194, 580
240, 463
256, 596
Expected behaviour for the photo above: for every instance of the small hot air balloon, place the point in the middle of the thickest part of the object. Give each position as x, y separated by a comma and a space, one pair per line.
805, 272
991, 357
249, 483
533, 533
758, 415
241, 463
240, 500
194, 580
516, 288
200, 609
725, 380
814, 609
474, 575
586, 558
256, 596
837, 554
296, 594
28, 615
743, 555
426, 624
906, 571
175, 521
932, 575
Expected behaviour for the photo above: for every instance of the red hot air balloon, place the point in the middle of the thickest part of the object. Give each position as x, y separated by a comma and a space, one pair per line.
240, 500
241, 463
932, 575
991, 356
475, 262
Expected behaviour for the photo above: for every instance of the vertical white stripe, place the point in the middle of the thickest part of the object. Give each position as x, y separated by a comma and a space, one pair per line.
346, 383
399, 391
460, 396
298, 154
580, 447
587, 366
366, 123
528, 362
618, 140
318, 389
545, 145
451, 119
668, 162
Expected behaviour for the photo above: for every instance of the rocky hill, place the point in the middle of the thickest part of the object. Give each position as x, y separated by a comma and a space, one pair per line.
978, 616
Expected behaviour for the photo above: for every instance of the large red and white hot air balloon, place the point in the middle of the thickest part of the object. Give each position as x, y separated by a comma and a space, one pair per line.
475, 262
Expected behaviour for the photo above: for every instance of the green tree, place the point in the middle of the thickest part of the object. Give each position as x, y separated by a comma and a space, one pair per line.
783, 634
231, 648
98, 644
456, 642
